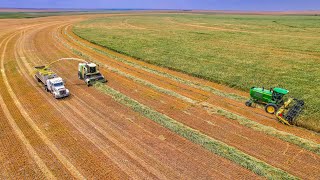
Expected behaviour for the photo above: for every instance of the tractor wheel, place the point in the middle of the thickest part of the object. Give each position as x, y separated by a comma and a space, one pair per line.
248, 103
271, 108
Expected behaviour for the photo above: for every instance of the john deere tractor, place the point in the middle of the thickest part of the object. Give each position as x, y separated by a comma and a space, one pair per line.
274, 101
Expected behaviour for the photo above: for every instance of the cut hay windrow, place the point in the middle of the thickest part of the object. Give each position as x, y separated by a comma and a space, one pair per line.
288, 137
162, 74
301, 142
217, 147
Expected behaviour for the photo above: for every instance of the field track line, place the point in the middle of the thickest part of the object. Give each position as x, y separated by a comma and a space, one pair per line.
301, 142
45, 139
16, 128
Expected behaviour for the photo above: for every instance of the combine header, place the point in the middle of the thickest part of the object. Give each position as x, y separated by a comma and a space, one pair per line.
273, 99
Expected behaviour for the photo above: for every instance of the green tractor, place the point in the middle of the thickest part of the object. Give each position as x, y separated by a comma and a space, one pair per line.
274, 101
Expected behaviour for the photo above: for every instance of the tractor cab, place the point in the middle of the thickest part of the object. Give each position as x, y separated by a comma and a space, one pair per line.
277, 95
92, 68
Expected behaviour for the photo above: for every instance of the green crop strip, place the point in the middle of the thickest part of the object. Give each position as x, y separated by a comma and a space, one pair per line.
301, 142
217, 147
163, 74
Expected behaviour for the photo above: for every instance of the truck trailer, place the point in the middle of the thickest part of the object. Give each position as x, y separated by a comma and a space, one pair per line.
51, 82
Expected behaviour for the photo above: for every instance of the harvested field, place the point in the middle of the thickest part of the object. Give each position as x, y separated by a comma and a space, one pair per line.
146, 122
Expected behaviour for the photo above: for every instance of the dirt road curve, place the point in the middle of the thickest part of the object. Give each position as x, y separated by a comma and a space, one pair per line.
90, 135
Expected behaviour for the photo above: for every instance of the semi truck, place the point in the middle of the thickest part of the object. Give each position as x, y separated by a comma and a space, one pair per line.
51, 82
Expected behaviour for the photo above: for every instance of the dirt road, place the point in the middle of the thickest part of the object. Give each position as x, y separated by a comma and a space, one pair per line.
90, 135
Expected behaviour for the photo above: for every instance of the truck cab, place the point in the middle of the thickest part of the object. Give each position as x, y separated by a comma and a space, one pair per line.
57, 88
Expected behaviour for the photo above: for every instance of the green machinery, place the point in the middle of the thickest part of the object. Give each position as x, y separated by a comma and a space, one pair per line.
274, 101
89, 72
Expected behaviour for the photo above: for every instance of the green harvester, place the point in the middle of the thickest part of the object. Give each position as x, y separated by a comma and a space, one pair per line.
285, 109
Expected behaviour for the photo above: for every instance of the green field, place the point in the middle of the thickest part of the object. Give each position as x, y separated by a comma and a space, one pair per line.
240, 51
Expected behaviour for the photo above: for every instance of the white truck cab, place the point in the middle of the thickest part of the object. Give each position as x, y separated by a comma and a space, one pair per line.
57, 88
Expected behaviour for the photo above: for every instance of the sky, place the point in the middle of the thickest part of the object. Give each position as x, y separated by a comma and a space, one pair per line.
252, 5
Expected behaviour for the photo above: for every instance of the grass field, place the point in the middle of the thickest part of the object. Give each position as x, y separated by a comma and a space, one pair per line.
240, 51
